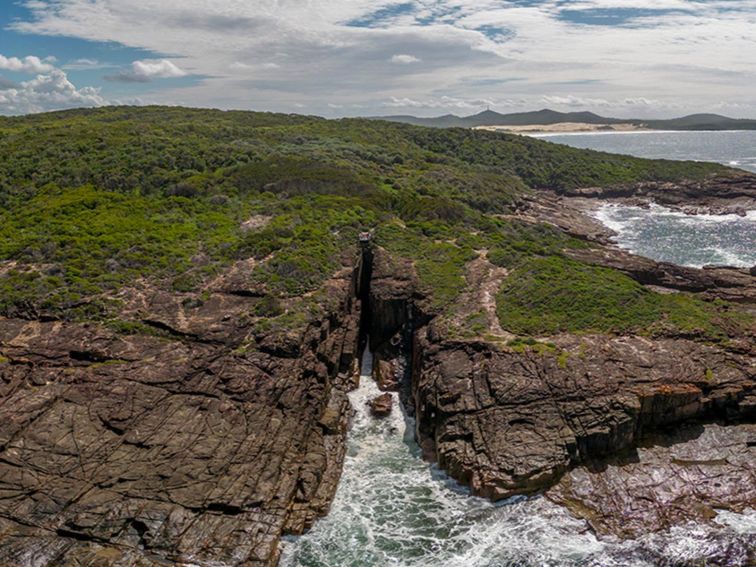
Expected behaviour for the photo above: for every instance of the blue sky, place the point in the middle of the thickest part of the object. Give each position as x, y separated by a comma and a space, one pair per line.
356, 57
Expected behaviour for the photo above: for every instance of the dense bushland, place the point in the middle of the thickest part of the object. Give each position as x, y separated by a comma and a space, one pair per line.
93, 199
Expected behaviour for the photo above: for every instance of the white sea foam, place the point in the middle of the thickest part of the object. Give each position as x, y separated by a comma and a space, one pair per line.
394, 510
693, 240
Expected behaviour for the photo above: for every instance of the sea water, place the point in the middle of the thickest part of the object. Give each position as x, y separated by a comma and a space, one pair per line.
671, 236
736, 148
392, 509
666, 235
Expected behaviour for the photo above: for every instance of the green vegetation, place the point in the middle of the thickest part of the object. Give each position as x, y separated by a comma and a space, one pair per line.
548, 295
529, 344
552, 165
92, 200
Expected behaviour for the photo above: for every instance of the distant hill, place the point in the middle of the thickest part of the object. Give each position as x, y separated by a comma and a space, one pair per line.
702, 122
546, 117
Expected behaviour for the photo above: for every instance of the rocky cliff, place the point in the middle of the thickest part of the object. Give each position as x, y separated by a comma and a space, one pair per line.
208, 439
722, 194
189, 446
507, 417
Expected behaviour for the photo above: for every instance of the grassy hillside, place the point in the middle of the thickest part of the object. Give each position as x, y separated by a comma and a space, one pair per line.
94, 199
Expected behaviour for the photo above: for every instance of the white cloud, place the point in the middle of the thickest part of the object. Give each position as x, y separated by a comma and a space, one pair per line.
85, 64
156, 69
28, 64
50, 91
446, 102
404, 59
146, 70
347, 52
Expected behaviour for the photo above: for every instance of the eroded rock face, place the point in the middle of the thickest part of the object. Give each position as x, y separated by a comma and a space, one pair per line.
508, 422
146, 450
685, 474
730, 284
380, 406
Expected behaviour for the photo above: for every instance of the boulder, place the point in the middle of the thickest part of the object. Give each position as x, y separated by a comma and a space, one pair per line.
381, 406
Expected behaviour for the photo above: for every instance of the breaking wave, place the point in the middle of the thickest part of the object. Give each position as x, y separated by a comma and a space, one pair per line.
690, 240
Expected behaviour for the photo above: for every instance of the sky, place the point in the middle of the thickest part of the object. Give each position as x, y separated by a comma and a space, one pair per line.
624, 58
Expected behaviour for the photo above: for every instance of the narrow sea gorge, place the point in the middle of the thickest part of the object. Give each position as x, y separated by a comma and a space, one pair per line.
392, 509
179, 367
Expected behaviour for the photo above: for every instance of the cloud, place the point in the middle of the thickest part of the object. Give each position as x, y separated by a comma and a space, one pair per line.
7, 84
28, 64
146, 70
50, 91
347, 52
404, 59
636, 103
446, 102
85, 65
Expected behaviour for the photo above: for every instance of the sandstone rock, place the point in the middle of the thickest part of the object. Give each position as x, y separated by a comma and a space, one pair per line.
385, 375
187, 448
722, 194
506, 422
381, 406
392, 285
731, 284
685, 474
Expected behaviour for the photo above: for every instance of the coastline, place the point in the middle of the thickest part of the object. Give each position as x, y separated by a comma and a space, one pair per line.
565, 128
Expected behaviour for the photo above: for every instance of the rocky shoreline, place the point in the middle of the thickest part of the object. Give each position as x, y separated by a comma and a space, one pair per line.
182, 448
187, 447
721, 195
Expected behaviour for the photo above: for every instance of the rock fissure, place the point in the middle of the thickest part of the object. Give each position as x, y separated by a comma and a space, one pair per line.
199, 436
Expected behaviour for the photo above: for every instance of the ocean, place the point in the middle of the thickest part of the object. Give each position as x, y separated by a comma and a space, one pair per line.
736, 148
392, 509
665, 235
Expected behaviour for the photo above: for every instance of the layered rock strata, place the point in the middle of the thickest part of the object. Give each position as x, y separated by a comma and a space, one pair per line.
191, 447
701, 470
508, 422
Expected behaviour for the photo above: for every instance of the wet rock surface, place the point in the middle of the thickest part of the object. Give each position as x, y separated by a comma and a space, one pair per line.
730, 284
689, 473
380, 406
570, 215
203, 441
190, 447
